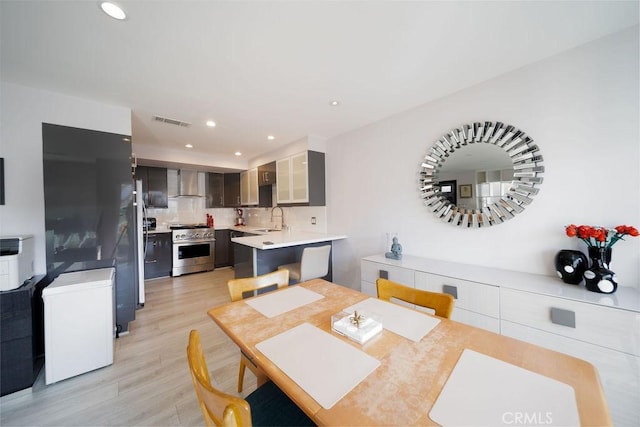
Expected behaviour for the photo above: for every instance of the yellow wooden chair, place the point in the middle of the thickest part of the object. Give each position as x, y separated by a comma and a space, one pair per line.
441, 303
266, 406
237, 287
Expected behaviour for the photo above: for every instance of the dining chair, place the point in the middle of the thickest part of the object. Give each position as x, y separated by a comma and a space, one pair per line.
441, 303
237, 288
266, 406
313, 264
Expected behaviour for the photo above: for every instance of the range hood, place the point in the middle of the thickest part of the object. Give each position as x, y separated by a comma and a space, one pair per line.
188, 183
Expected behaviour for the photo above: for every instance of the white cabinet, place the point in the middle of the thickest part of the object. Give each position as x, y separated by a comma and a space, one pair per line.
283, 180
476, 304
300, 179
370, 271
292, 179
78, 323
602, 329
249, 187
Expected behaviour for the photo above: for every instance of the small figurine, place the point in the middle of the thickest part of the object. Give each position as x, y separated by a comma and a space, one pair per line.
396, 250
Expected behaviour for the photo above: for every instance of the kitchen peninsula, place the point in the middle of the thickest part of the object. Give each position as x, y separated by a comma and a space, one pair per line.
262, 252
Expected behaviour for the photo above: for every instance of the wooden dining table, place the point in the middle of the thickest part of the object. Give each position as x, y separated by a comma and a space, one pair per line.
403, 389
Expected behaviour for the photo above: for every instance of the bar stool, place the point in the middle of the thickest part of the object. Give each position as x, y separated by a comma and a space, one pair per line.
313, 264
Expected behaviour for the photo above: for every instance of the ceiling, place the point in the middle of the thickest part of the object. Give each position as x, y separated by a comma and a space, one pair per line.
261, 68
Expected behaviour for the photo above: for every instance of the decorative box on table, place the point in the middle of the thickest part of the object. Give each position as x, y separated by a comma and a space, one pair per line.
357, 326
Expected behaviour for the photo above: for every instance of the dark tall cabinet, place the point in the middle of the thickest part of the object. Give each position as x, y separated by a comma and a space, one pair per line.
231, 190
215, 190
154, 186
89, 212
223, 253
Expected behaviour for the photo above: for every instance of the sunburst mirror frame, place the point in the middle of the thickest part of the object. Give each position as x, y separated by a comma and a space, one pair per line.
527, 177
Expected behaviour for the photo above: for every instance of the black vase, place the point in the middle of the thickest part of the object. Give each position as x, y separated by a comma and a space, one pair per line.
571, 265
598, 277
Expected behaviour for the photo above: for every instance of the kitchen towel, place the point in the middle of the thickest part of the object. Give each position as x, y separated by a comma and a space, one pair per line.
484, 391
278, 302
323, 365
403, 321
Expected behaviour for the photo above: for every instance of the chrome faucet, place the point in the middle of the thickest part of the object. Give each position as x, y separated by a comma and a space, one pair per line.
281, 216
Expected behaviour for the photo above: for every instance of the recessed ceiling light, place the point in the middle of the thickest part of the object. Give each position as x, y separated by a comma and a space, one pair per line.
113, 10
271, 137
189, 146
334, 103
211, 123
237, 153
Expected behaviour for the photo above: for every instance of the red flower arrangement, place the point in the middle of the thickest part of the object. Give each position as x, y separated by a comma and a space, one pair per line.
600, 237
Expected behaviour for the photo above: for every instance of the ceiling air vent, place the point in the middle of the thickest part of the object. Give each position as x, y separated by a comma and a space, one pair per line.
171, 121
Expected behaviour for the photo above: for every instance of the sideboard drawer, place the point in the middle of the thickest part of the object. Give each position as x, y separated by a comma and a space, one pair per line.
472, 296
370, 271
474, 319
605, 326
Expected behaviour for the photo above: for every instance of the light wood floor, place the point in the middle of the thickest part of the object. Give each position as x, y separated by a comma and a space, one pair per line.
149, 382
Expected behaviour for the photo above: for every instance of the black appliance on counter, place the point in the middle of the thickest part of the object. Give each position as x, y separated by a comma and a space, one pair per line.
193, 248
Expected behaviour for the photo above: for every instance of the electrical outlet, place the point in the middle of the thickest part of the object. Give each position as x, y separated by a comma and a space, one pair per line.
313, 220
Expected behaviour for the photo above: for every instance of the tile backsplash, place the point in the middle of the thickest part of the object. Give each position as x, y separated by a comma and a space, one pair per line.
189, 210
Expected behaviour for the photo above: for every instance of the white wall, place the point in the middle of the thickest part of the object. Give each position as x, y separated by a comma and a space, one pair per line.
582, 109
22, 112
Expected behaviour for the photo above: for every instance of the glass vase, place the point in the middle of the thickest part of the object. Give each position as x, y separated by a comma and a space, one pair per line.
598, 277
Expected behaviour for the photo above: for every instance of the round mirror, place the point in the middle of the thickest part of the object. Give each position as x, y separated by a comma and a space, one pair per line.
480, 174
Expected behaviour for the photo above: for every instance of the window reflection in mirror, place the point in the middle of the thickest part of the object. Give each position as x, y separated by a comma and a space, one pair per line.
486, 167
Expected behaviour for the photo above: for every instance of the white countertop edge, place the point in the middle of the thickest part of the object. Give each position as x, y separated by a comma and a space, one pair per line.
284, 239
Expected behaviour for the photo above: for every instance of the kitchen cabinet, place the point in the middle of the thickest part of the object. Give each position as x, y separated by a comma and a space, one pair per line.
602, 329
249, 187
154, 186
214, 190
267, 174
301, 179
232, 190
157, 258
222, 253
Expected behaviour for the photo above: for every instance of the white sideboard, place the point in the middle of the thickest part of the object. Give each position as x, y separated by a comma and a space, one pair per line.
603, 329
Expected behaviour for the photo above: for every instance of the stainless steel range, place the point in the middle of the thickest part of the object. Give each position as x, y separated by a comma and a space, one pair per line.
193, 248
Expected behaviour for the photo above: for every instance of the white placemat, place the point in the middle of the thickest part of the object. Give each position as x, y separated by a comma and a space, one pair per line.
326, 367
276, 303
395, 318
484, 391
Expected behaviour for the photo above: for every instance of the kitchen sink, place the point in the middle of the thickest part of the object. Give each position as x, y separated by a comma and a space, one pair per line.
266, 230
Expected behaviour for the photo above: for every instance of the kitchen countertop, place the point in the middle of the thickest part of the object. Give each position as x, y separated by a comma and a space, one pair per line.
281, 239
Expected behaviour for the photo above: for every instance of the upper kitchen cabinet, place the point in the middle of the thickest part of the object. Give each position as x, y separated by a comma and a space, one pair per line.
267, 174
154, 186
301, 179
232, 190
249, 187
214, 186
